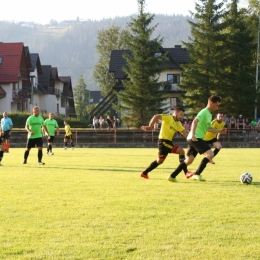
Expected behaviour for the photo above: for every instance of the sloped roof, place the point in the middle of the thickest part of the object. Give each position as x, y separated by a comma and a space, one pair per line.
44, 78
176, 57
27, 57
54, 73
13, 65
67, 88
117, 62
36, 63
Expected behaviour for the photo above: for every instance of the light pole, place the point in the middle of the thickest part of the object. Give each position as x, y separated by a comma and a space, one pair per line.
256, 73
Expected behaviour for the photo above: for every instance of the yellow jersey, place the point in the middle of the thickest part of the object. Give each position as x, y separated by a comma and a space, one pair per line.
67, 130
215, 124
169, 127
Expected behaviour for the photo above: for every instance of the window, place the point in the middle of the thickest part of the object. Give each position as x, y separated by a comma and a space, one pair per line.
173, 78
63, 102
175, 102
1, 60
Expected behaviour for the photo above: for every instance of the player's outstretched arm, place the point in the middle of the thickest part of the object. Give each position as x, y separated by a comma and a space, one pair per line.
154, 119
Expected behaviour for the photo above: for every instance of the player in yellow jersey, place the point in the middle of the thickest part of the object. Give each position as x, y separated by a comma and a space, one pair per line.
68, 136
213, 138
170, 125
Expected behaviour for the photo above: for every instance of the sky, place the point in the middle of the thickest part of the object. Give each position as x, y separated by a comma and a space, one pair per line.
43, 11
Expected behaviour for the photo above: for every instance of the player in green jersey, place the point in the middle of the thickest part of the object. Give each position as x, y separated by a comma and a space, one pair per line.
33, 126
51, 125
200, 125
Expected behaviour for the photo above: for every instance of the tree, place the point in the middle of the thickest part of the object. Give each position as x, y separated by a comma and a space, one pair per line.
255, 5
238, 78
81, 97
202, 74
141, 97
108, 40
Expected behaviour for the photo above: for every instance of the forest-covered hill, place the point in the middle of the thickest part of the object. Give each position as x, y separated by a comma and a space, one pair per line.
72, 49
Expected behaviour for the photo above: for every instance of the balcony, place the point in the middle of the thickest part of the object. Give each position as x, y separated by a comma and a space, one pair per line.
20, 95
70, 111
54, 91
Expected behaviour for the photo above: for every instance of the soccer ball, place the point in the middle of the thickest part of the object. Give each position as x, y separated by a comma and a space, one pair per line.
246, 178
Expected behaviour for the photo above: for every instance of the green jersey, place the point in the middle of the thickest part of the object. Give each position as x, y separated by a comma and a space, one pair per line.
51, 124
204, 117
35, 124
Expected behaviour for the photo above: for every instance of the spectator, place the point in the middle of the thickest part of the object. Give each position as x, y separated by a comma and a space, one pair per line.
247, 125
232, 122
114, 122
101, 122
240, 122
257, 127
226, 120
156, 126
109, 123
187, 124
6, 126
95, 123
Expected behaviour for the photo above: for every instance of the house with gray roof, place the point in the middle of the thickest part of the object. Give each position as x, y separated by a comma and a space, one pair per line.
170, 77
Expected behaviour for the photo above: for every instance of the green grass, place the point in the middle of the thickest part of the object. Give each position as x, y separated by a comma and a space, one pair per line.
92, 204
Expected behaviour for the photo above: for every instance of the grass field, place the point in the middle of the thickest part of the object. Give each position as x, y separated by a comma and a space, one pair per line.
92, 204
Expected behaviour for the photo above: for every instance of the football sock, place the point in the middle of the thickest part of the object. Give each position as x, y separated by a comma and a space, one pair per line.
152, 166
72, 145
180, 167
1, 155
39, 155
26, 154
65, 144
216, 151
181, 159
50, 147
202, 165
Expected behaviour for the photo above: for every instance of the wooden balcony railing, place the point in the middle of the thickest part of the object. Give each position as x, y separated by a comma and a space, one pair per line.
20, 94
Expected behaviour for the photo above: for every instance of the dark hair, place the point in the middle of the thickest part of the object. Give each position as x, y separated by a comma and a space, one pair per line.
178, 109
215, 99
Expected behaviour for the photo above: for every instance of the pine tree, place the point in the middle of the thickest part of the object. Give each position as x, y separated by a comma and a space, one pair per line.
81, 97
141, 97
202, 74
238, 78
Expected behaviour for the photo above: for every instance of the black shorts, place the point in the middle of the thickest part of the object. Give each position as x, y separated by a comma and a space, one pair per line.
214, 140
31, 143
68, 137
6, 134
50, 139
165, 147
1, 140
199, 146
